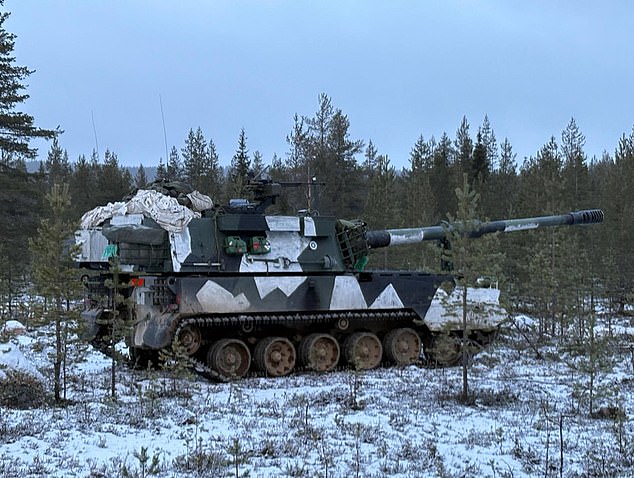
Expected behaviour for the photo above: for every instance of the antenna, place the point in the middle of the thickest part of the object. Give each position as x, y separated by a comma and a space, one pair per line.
164, 131
94, 130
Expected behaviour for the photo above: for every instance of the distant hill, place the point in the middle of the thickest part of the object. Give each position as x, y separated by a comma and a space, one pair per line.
150, 172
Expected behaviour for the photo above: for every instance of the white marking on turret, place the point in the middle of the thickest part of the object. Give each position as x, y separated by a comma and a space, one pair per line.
346, 294
309, 227
212, 297
282, 223
388, 299
286, 284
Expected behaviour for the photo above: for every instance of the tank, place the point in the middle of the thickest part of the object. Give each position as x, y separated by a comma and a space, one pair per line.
235, 291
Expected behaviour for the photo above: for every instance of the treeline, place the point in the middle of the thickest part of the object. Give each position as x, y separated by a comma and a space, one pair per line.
351, 178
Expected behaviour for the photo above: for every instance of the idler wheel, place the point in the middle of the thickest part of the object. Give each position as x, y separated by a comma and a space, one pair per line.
319, 352
402, 346
190, 339
230, 358
445, 349
275, 356
363, 350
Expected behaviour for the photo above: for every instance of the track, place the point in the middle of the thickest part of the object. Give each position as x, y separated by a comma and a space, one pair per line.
204, 338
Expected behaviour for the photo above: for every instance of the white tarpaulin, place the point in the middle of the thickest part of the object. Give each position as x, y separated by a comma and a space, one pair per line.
165, 210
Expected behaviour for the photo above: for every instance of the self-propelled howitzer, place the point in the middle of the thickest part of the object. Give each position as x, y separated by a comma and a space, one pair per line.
234, 289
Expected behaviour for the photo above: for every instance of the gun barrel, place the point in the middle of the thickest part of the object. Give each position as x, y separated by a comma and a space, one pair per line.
396, 237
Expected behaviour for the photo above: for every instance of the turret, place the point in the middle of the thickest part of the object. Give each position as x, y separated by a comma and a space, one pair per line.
397, 237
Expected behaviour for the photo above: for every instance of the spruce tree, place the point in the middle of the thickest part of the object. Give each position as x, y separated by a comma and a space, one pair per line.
487, 136
200, 163
441, 179
195, 157
370, 161
480, 166
619, 222
83, 184
417, 205
21, 198
140, 179
161, 171
381, 207
174, 169
575, 169
463, 145
113, 181
57, 166
240, 170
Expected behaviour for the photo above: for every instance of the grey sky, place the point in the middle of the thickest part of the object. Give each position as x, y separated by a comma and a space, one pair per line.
397, 68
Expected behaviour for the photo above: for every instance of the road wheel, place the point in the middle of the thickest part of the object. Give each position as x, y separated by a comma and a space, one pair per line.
230, 358
275, 356
319, 352
190, 339
402, 346
363, 350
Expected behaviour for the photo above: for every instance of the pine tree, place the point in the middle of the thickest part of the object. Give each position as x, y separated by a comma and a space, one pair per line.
470, 260
257, 164
343, 171
118, 318
16, 128
296, 167
327, 153
55, 274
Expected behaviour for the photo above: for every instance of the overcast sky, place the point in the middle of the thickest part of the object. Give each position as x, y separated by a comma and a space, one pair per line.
398, 69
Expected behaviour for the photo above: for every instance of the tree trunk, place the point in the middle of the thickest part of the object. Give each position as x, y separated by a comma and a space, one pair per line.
465, 357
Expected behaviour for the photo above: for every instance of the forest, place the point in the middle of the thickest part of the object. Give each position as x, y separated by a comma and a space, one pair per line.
555, 273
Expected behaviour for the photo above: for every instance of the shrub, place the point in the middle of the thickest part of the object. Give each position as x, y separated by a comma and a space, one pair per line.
21, 390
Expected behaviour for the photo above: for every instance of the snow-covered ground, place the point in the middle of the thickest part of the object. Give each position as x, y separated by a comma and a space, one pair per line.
529, 418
